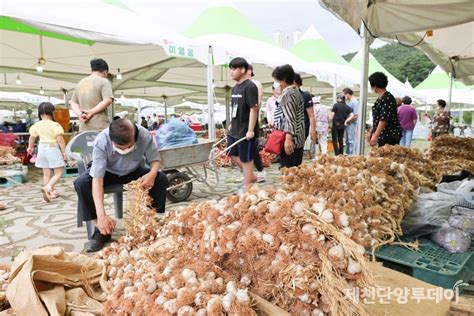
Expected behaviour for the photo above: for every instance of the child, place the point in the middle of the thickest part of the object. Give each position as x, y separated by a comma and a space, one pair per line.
51, 148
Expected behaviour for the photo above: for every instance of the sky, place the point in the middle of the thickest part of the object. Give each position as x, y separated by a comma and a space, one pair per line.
269, 16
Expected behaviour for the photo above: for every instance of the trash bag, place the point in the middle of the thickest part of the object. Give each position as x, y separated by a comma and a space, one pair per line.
462, 222
464, 190
452, 239
175, 133
430, 212
464, 211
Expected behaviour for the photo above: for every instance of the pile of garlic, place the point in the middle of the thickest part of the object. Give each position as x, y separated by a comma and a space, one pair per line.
158, 278
448, 147
366, 196
422, 167
273, 242
4, 275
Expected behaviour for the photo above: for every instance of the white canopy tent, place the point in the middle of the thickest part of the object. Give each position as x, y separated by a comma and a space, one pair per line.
437, 86
328, 65
48, 35
451, 44
225, 26
403, 20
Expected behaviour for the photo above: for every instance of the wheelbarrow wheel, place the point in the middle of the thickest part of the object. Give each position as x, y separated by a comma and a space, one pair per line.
183, 192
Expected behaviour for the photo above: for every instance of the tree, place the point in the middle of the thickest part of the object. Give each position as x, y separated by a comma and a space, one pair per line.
402, 62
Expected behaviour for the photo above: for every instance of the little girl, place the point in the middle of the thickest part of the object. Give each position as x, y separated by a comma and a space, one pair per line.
51, 148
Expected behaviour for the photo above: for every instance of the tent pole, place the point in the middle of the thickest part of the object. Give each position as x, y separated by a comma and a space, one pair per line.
227, 106
210, 96
139, 111
362, 113
334, 88
450, 94
166, 109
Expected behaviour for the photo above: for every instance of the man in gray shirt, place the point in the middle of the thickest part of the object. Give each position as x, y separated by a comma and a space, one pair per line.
117, 159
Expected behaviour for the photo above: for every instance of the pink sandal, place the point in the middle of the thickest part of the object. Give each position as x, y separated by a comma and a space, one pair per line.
46, 194
54, 194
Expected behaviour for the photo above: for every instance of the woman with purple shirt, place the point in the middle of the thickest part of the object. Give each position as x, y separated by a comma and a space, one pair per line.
408, 117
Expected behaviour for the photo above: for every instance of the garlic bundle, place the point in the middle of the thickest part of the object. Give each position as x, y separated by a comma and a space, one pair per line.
4, 275
7, 156
281, 251
366, 197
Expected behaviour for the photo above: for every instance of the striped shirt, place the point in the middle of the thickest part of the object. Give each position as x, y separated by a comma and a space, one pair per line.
289, 115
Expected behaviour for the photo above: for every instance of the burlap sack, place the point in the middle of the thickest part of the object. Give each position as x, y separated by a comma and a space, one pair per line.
41, 280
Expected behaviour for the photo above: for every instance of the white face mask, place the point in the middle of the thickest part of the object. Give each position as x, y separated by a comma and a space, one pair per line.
124, 151
276, 85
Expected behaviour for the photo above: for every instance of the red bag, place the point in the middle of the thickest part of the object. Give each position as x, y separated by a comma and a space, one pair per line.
275, 142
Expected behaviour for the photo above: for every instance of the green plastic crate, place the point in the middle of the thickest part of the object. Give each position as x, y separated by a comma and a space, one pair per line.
431, 263
71, 172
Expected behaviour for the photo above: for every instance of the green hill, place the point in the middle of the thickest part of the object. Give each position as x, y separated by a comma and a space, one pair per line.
402, 62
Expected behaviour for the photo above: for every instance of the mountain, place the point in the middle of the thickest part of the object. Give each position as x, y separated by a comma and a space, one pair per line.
402, 62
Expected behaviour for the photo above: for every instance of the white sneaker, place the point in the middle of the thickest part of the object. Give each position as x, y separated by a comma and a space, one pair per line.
261, 176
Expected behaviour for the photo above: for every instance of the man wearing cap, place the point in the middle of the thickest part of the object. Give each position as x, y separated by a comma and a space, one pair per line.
91, 98
341, 115
351, 129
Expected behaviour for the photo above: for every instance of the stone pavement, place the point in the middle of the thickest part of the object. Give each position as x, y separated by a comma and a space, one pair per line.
30, 223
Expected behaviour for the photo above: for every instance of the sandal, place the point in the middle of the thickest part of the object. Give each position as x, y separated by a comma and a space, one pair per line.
54, 194
46, 194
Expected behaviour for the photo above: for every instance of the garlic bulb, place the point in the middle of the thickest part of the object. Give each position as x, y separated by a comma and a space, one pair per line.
171, 306
245, 280
227, 301
268, 238
344, 220
280, 197
347, 231
242, 296
305, 298
298, 208
317, 312
273, 207
336, 251
188, 274
214, 305
308, 229
185, 311
353, 267
327, 216
230, 287
198, 298
262, 194
150, 285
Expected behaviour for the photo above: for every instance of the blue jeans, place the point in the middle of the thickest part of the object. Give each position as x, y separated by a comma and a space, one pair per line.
406, 138
350, 138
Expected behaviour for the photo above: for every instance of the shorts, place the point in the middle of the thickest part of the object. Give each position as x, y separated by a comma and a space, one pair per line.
243, 150
49, 156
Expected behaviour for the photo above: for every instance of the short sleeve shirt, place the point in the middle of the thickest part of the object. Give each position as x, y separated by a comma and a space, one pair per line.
407, 117
354, 105
105, 158
89, 92
308, 104
441, 122
385, 109
47, 131
341, 113
244, 97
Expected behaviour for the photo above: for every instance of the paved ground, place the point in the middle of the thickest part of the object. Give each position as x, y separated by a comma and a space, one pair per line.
30, 223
